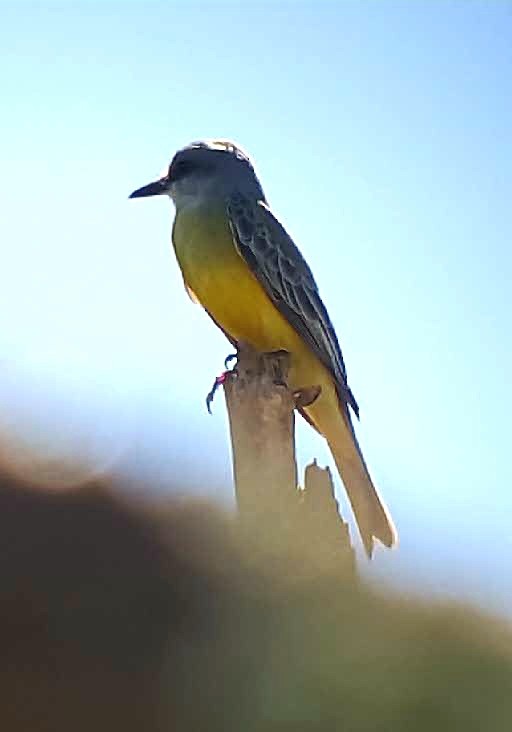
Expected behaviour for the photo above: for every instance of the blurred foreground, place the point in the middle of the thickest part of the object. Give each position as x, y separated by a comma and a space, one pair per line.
132, 616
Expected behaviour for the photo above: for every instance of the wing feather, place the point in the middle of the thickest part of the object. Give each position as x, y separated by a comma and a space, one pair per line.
283, 272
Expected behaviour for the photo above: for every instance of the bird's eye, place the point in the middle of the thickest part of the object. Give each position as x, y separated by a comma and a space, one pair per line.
179, 170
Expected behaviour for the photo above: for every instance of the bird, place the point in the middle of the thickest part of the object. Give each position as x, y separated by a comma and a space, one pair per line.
240, 264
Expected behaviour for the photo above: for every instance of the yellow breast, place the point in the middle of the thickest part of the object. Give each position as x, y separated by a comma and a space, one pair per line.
225, 286
222, 281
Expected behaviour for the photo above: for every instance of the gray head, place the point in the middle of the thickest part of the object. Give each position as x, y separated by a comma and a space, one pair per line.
205, 171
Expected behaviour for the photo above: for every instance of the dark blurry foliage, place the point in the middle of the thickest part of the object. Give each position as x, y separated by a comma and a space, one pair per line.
125, 616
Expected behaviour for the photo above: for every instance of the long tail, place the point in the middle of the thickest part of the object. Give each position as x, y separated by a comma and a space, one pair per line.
372, 516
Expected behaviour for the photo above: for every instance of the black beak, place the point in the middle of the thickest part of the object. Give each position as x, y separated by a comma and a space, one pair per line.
157, 188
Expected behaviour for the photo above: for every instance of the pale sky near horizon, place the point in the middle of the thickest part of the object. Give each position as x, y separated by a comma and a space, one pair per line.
382, 134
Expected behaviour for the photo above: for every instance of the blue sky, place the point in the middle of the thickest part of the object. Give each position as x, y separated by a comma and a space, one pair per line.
382, 133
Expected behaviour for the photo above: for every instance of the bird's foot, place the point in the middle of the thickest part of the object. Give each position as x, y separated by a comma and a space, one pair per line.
219, 380
278, 364
306, 396
230, 357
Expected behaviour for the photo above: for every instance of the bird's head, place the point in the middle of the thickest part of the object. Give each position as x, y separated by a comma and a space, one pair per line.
205, 171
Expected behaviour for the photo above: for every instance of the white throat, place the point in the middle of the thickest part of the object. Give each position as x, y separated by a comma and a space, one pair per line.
196, 191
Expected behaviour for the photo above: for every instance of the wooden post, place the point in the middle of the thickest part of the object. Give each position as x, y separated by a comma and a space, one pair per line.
261, 410
262, 425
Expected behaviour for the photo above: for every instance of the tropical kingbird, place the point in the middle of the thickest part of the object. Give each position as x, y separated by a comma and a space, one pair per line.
239, 263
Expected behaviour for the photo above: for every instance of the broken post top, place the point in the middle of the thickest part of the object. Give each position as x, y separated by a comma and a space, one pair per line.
267, 369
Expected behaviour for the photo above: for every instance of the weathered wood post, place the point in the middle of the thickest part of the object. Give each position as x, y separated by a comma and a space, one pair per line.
261, 410
262, 425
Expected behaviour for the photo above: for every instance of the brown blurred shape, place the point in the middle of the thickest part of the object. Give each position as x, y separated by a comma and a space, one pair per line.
166, 617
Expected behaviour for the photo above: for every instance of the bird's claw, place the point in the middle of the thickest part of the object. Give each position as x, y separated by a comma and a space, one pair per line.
219, 380
230, 357
306, 396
